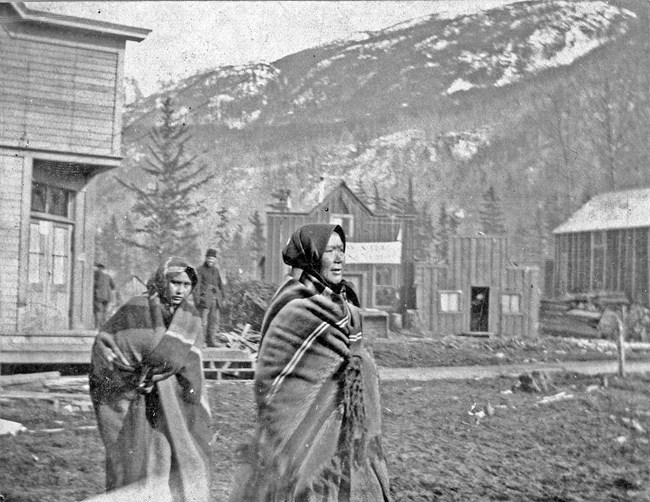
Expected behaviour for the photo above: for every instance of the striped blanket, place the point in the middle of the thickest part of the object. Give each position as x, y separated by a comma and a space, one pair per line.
153, 414
317, 398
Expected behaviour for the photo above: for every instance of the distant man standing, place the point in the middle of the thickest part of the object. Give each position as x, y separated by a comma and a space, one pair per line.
104, 287
209, 297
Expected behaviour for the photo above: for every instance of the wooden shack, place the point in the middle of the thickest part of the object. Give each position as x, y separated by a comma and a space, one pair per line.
478, 291
60, 125
604, 247
379, 254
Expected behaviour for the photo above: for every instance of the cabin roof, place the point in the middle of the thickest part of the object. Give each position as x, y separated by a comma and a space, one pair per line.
72, 22
324, 190
609, 211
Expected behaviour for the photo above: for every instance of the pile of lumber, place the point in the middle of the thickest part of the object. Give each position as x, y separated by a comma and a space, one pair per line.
247, 339
578, 314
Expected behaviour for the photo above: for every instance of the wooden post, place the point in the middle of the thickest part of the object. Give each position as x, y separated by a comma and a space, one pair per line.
621, 340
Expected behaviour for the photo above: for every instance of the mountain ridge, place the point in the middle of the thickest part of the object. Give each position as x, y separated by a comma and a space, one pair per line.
419, 99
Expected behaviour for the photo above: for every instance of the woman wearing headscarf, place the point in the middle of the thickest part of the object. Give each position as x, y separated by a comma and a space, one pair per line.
147, 387
316, 388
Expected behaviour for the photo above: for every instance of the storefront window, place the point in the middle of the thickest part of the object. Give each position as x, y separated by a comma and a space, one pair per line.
52, 200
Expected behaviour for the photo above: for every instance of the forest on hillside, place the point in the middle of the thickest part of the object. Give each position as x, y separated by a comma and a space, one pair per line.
525, 156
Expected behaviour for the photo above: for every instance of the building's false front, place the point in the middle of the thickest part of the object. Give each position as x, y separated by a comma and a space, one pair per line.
60, 125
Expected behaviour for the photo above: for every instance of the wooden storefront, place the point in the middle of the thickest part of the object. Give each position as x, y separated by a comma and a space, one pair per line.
60, 125
379, 256
478, 291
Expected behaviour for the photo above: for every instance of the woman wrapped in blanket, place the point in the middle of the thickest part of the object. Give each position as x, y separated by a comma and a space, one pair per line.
147, 387
316, 388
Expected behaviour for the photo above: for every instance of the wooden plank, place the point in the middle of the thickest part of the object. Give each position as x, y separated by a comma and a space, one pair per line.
21, 92
77, 79
44, 53
18, 60
41, 50
18, 107
71, 149
74, 143
28, 377
59, 130
224, 354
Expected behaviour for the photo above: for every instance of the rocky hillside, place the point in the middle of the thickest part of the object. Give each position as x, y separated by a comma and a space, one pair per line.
534, 98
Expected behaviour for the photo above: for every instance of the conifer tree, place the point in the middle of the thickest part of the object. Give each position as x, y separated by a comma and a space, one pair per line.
360, 191
491, 214
378, 203
221, 236
424, 235
111, 250
167, 208
442, 234
257, 241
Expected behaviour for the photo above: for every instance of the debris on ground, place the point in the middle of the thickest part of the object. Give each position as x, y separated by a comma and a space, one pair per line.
8, 427
560, 396
535, 382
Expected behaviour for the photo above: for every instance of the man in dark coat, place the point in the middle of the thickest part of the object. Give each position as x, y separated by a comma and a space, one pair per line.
104, 287
209, 298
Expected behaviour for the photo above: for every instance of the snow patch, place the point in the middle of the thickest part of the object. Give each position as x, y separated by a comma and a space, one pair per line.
459, 85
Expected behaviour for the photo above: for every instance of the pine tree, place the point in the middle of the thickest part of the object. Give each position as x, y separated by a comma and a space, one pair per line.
491, 214
378, 203
443, 236
233, 259
424, 236
410, 198
167, 208
111, 250
257, 242
221, 236
360, 191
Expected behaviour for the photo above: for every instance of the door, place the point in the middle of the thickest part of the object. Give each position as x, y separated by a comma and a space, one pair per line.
480, 308
49, 276
357, 283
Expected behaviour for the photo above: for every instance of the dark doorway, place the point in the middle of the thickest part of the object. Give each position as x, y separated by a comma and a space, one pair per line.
480, 302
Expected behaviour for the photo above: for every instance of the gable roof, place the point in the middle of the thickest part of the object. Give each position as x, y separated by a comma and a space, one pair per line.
327, 189
71, 22
608, 211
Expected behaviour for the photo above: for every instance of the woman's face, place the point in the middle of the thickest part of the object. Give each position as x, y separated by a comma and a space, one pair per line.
331, 265
180, 287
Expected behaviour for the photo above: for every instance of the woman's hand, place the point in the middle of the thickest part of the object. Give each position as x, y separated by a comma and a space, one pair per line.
107, 354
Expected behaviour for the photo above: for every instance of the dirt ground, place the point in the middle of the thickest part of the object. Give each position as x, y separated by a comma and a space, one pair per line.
402, 351
443, 441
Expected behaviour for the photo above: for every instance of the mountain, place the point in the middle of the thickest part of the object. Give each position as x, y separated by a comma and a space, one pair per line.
546, 101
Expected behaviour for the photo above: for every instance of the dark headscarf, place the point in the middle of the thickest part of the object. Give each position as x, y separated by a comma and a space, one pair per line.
307, 245
158, 284
305, 251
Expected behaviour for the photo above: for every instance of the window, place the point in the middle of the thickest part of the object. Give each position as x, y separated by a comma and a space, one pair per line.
598, 260
385, 291
346, 221
450, 301
52, 200
510, 304
35, 253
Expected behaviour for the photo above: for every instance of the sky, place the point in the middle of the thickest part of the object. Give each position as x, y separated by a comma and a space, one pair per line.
189, 37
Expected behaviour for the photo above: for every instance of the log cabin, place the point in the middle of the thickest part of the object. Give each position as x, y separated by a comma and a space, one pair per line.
61, 98
603, 246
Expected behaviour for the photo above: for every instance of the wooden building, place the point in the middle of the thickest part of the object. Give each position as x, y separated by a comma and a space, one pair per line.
60, 125
478, 291
379, 254
604, 246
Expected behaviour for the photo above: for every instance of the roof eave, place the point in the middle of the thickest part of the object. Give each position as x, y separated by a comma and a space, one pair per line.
116, 30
